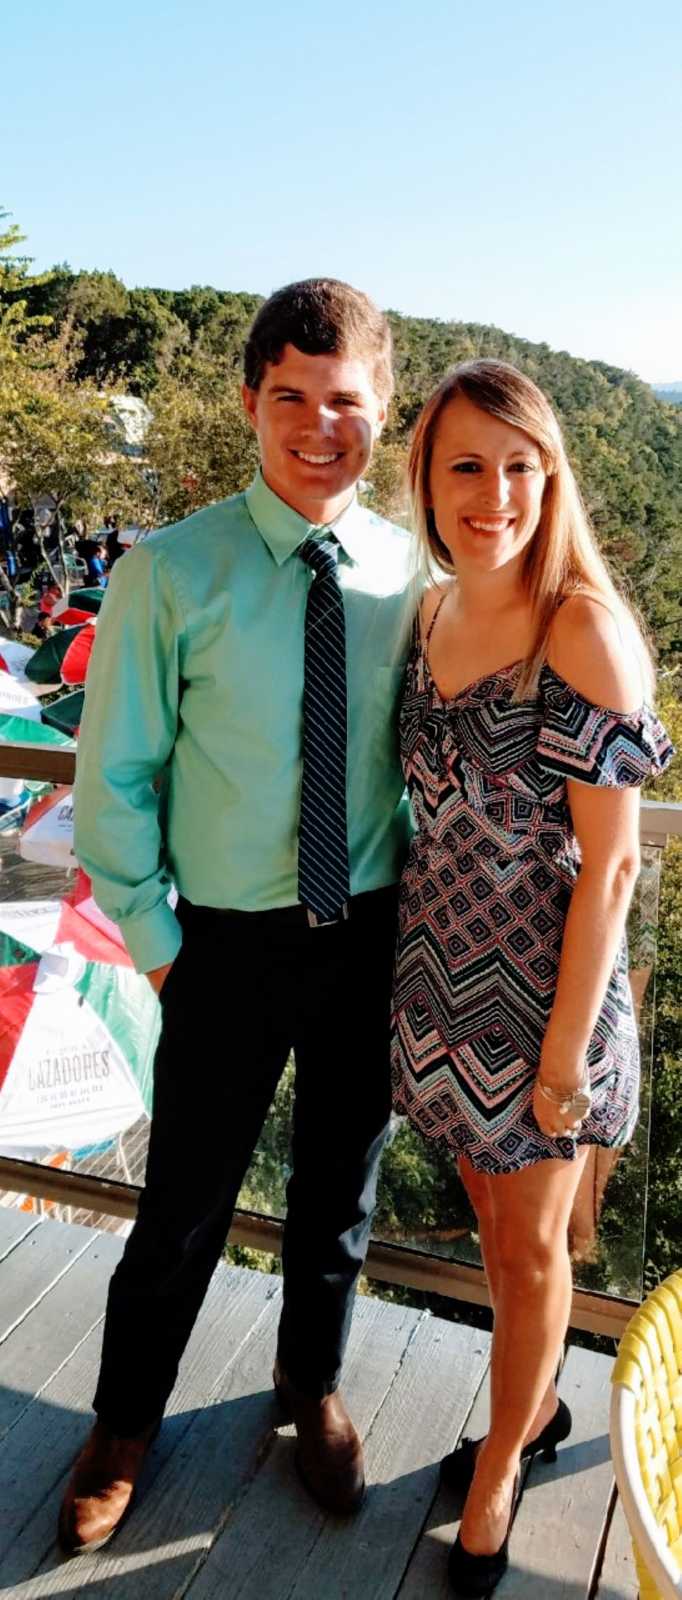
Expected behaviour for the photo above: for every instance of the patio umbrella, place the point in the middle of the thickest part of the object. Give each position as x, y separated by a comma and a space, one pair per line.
77, 1036
87, 599
101, 937
46, 661
13, 656
17, 697
71, 617
47, 835
74, 668
65, 714
22, 730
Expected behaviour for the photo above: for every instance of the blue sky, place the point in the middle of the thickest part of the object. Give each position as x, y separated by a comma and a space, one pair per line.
508, 163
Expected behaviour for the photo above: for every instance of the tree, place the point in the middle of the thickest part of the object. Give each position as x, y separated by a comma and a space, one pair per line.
16, 283
199, 446
386, 489
57, 451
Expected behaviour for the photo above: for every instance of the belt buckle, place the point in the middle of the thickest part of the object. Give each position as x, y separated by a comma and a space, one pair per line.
314, 921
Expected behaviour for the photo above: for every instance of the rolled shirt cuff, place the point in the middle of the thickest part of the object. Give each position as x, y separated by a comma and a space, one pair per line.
152, 939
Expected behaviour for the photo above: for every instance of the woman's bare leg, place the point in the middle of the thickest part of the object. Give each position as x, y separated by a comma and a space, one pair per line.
478, 1187
531, 1209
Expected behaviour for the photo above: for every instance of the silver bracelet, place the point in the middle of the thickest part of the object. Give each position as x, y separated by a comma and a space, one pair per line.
578, 1104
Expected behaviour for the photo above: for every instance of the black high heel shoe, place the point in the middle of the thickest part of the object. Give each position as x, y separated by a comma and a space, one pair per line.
457, 1469
475, 1577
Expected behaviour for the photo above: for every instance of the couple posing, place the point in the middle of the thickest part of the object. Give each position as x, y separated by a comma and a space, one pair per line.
273, 654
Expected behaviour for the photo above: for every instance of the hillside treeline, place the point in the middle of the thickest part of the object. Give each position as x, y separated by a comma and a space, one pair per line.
168, 345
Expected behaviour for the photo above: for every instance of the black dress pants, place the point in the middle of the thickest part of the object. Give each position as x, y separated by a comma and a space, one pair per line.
245, 989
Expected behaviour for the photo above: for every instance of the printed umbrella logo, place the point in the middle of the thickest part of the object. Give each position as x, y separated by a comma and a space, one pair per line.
77, 1036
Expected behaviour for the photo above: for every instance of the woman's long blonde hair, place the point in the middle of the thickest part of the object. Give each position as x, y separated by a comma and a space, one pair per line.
562, 558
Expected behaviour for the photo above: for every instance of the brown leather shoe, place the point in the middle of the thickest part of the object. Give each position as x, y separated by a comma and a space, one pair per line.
101, 1487
329, 1449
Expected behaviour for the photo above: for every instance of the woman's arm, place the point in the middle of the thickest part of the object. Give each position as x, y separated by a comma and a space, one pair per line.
587, 651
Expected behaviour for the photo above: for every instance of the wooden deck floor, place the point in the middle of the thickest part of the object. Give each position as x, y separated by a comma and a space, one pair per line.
222, 1513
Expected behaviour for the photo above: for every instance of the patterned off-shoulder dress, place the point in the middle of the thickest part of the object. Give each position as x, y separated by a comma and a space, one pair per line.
483, 902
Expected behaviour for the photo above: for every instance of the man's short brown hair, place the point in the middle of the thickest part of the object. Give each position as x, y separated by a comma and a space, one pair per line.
320, 316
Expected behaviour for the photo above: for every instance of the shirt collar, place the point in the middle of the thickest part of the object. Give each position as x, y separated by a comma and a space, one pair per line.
284, 529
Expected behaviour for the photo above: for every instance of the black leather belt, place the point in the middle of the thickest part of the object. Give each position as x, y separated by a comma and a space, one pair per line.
297, 916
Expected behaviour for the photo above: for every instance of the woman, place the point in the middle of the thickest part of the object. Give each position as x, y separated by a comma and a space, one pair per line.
525, 728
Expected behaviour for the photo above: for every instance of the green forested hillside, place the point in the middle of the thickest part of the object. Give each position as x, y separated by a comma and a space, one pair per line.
181, 350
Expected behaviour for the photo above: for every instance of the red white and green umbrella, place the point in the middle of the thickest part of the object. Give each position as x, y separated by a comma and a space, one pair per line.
66, 713
78, 1029
44, 665
13, 656
22, 730
17, 696
14, 659
74, 667
47, 834
87, 599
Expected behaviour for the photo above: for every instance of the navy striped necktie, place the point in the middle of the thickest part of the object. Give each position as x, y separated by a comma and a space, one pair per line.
323, 871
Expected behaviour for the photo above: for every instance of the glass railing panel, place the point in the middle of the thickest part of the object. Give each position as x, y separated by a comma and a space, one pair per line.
82, 1100
421, 1201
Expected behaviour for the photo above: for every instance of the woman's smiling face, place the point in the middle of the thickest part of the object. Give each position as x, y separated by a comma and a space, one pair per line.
486, 484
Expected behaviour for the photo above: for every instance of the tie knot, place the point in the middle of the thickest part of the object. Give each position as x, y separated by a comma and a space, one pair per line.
320, 554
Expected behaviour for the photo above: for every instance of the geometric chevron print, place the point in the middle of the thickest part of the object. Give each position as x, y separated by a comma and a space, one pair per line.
483, 901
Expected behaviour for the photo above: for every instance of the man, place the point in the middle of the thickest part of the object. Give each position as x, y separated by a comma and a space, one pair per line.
254, 652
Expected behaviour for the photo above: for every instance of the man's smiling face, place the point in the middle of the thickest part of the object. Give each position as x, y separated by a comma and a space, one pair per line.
317, 418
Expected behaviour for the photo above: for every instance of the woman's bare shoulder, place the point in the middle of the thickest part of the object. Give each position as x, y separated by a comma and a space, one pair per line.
594, 649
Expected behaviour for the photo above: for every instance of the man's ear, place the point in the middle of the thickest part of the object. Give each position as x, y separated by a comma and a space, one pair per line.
249, 402
380, 421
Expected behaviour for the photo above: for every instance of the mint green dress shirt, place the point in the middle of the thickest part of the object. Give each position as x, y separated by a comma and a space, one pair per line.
197, 673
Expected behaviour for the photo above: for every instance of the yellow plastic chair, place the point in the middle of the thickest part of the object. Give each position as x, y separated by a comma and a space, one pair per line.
646, 1438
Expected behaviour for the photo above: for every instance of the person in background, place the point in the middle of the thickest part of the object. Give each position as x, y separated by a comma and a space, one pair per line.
255, 653
96, 559
113, 548
48, 599
526, 727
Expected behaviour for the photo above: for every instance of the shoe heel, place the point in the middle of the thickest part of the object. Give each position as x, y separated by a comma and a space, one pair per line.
549, 1455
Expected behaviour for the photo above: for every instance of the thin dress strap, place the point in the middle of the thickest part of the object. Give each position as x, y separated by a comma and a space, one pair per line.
433, 622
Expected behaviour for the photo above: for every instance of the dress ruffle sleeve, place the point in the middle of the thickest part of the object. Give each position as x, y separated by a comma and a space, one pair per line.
612, 749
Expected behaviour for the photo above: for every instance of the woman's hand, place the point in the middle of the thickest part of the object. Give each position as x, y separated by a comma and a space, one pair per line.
562, 1080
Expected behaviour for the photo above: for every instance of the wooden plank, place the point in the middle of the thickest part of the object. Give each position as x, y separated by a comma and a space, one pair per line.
49, 1334
561, 1518
55, 1427
14, 1226
274, 1527
48, 765
37, 1262
420, 1420
193, 1492
562, 1504
618, 1576
427, 1573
